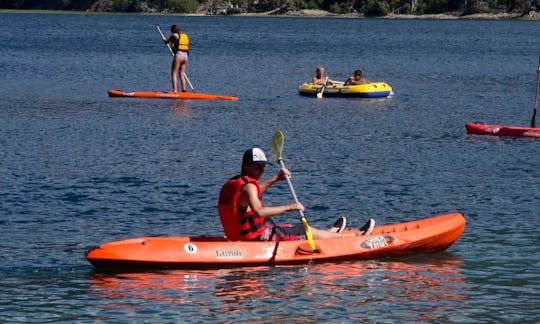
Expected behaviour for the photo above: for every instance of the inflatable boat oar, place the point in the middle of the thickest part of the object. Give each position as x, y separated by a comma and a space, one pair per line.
320, 93
533, 119
172, 53
277, 152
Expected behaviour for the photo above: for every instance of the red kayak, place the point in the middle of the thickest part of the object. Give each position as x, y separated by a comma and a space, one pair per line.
168, 95
498, 130
426, 235
514, 131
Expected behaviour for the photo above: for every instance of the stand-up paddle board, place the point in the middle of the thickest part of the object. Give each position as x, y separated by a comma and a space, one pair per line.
168, 95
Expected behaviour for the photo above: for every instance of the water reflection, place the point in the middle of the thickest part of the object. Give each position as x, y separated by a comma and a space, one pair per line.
180, 109
430, 287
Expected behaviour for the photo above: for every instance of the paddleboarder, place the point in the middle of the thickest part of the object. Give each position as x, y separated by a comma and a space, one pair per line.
179, 44
245, 218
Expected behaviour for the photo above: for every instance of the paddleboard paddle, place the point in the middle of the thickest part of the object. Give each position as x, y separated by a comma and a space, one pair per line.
172, 53
533, 119
276, 151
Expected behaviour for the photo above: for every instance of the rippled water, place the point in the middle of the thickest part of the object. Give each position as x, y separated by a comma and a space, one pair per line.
79, 169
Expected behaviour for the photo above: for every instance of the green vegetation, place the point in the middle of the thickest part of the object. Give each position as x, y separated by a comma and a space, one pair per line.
369, 8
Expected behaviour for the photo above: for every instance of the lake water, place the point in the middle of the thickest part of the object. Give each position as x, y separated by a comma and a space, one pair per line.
78, 168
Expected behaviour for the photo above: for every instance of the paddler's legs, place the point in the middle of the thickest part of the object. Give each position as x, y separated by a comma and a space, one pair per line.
320, 234
182, 73
364, 230
174, 73
178, 67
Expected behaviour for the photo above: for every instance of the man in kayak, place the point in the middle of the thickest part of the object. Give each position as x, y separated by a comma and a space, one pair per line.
179, 43
356, 79
245, 218
320, 78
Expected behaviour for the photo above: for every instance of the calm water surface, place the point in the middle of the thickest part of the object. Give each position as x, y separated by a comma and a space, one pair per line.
78, 168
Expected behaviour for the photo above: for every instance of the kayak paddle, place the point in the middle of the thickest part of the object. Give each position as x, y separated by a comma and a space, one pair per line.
533, 119
170, 50
277, 153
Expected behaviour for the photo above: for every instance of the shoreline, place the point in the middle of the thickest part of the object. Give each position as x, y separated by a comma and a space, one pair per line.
304, 13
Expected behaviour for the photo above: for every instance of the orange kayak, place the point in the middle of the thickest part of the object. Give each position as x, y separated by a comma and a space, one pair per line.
499, 130
168, 95
427, 235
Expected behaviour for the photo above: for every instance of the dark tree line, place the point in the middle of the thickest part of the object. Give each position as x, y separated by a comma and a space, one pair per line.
370, 8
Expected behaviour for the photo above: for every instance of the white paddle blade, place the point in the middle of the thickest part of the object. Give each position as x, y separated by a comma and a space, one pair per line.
320, 92
276, 150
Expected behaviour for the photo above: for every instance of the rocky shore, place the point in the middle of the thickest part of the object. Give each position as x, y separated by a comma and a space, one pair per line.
322, 13
309, 13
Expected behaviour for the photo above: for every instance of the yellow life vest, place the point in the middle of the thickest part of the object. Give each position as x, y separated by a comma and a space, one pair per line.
183, 42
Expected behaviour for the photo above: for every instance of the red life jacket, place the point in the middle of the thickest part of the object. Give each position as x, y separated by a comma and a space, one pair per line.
239, 225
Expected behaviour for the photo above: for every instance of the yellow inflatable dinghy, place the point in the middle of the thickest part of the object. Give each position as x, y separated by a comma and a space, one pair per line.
369, 90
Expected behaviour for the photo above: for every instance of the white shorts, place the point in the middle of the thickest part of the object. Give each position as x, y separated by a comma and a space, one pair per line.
183, 55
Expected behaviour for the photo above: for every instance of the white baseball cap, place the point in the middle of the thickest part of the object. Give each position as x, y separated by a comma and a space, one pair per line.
255, 155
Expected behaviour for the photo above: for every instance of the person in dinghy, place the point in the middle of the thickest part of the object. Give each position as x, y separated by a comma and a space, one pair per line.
320, 78
179, 42
356, 79
245, 218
